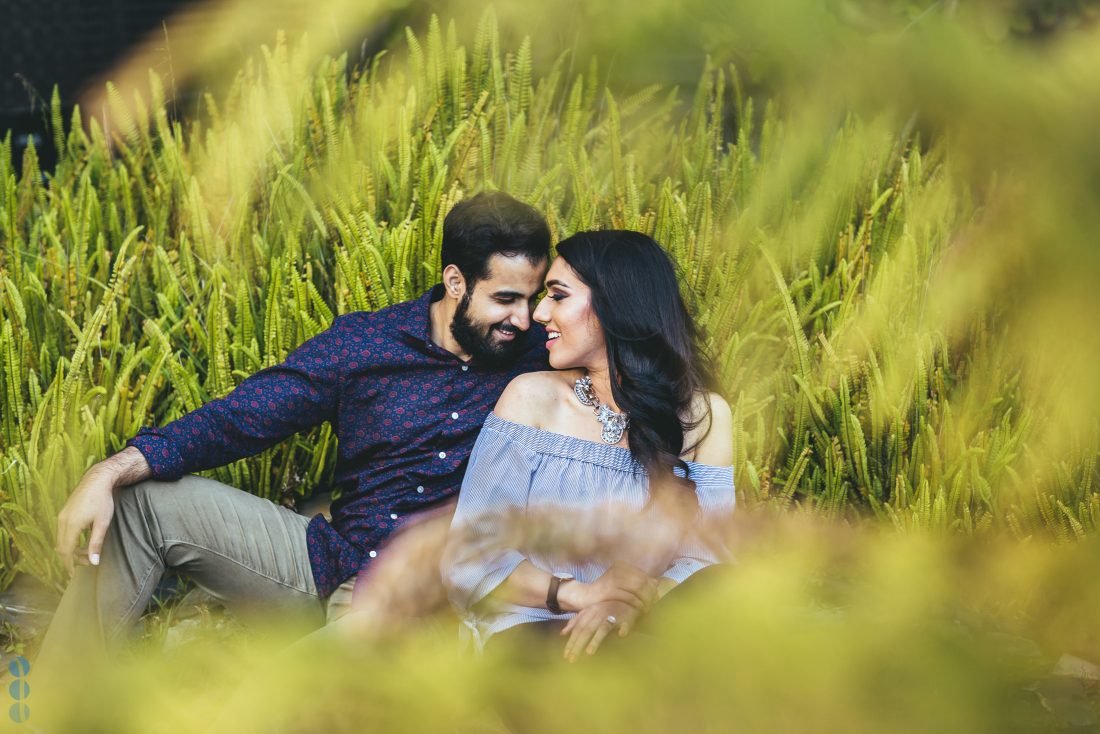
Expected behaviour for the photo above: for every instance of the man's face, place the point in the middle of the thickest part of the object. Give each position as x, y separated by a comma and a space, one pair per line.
492, 315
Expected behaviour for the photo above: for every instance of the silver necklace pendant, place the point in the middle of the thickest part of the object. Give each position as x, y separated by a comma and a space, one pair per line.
613, 423
583, 389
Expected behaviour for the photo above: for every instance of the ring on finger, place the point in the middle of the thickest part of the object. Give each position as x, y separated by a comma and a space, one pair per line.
612, 620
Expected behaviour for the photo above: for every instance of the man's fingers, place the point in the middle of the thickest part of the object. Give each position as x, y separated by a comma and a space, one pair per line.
95, 544
66, 543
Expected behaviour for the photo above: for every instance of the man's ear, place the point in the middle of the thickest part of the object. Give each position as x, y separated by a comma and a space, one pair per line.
454, 283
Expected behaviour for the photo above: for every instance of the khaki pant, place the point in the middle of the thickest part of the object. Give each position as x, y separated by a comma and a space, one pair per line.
244, 550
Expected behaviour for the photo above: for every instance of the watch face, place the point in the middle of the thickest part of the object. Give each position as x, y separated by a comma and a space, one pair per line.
564, 576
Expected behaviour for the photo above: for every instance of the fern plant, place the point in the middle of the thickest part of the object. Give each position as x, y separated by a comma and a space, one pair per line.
163, 261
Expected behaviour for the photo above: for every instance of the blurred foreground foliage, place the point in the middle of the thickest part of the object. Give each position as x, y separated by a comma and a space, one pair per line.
820, 628
886, 228
895, 289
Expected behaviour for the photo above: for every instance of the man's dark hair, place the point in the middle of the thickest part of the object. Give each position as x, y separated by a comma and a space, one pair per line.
492, 223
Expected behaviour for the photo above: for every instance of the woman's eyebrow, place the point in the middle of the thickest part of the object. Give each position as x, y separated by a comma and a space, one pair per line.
558, 283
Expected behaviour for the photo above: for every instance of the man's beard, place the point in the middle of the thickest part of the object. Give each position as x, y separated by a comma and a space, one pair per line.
477, 340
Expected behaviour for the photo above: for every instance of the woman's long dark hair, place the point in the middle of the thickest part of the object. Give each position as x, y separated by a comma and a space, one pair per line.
655, 360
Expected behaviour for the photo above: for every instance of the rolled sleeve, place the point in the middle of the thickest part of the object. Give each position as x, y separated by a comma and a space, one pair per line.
267, 407
160, 453
480, 553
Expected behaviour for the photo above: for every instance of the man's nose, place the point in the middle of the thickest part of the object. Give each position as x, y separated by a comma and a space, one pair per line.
521, 317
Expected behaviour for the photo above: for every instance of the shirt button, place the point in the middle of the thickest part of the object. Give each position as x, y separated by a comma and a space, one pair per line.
465, 367
454, 416
393, 515
420, 490
443, 454
373, 554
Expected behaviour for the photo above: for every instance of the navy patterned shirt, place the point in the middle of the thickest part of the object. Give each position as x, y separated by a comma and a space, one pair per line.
406, 413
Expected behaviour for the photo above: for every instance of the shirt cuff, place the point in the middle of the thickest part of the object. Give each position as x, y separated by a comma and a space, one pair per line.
496, 576
160, 453
683, 568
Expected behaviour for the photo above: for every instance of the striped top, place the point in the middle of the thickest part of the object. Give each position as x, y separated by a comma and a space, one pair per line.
518, 471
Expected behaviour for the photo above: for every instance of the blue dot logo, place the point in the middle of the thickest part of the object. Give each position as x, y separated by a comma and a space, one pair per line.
19, 689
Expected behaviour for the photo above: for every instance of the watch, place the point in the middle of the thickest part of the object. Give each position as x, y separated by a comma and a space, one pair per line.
556, 580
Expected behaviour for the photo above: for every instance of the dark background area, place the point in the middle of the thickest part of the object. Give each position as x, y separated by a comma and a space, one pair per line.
67, 43
72, 44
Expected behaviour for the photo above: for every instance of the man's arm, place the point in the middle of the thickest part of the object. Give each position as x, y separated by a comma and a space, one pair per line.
270, 405
126, 467
267, 407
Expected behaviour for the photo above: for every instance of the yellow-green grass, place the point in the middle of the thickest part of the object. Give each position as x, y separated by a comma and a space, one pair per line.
859, 282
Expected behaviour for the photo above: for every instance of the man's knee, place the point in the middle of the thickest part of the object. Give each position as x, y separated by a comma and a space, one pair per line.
160, 496
141, 495
161, 507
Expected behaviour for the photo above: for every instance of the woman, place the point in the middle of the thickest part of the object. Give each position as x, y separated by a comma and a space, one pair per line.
626, 420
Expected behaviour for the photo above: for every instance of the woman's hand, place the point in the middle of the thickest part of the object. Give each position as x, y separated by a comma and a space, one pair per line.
622, 583
592, 624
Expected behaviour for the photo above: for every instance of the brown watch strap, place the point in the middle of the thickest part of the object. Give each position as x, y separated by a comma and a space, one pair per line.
552, 595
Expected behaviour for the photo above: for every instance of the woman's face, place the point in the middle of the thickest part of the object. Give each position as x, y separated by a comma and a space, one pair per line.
576, 339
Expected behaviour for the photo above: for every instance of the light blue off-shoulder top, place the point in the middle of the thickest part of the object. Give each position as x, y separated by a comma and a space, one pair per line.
514, 469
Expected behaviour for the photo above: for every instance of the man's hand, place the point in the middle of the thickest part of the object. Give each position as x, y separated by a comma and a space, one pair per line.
621, 583
92, 504
592, 624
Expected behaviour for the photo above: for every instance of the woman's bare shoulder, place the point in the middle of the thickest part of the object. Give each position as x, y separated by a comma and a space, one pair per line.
712, 436
534, 397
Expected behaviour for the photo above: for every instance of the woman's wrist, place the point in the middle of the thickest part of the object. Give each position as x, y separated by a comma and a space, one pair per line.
572, 596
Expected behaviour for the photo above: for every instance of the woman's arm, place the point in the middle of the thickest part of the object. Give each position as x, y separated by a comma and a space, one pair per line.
528, 586
654, 538
664, 539
702, 545
713, 437
482, 558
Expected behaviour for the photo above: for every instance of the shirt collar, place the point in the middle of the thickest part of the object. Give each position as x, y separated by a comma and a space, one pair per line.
419, 323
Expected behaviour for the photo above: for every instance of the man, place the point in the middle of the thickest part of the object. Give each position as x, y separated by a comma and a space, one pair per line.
406, 389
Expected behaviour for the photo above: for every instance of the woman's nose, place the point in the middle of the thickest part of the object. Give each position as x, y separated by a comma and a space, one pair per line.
542, 311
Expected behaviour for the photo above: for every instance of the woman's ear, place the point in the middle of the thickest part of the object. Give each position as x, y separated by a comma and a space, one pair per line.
454, 283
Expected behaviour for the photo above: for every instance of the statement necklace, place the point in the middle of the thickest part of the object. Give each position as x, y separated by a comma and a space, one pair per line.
613, 423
